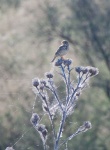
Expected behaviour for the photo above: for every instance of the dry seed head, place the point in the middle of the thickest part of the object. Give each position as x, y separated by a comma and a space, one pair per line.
49, 75
35, 119
59, 62
35, 82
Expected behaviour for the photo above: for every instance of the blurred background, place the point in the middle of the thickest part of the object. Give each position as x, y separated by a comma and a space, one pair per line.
30, 33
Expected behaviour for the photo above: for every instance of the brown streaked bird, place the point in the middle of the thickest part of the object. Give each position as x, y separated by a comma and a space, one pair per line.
62, 50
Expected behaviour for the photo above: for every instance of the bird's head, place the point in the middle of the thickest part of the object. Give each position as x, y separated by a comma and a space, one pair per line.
64, 42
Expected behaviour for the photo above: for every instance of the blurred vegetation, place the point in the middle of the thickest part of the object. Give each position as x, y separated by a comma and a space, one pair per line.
30, 32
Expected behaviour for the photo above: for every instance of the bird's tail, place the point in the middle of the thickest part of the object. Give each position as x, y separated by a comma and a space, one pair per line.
53, 59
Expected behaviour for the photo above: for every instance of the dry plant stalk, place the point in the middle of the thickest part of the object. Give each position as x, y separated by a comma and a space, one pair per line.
66, 107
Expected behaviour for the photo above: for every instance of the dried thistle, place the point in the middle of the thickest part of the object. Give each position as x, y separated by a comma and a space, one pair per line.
66, 107
35, 119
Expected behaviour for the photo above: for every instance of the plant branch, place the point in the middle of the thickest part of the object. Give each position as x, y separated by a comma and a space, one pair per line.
60, 131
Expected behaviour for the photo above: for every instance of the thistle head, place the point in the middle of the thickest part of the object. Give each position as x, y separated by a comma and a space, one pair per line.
49, 75
35, 119
35, 82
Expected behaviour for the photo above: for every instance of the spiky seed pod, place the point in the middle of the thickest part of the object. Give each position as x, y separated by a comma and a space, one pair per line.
49, 75
93, 71
78, 69
35, 119
84, 70
41, 87
43, 132
78, 94
87, 125
43, 82
67, 62
59, 62
35, 82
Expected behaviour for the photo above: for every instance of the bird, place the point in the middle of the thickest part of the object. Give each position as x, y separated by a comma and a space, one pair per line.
62, 50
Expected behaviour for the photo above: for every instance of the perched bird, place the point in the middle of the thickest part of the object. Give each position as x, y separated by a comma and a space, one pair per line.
62, 50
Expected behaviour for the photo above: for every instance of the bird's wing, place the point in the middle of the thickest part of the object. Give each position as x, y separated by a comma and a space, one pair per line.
59, 50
